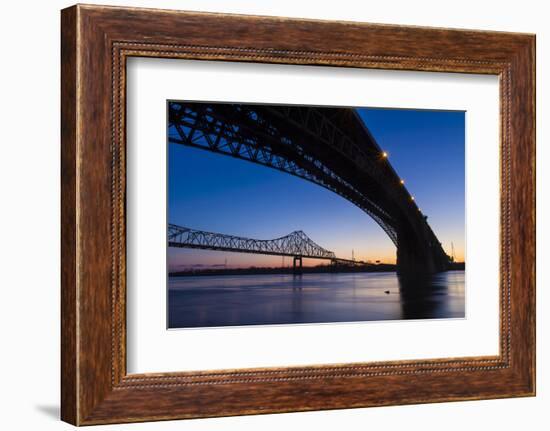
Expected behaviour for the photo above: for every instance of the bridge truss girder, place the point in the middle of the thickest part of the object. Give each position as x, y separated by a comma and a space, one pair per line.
295, 244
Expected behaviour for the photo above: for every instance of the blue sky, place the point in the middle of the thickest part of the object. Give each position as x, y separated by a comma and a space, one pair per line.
218, 193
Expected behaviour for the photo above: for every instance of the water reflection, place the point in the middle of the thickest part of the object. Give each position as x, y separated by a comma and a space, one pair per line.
438, 296
311, 298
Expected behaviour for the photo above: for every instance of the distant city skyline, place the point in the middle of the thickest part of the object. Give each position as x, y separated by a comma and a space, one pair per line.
217, 193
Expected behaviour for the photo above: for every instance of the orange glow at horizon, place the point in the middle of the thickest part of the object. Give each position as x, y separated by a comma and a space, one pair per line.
188, 258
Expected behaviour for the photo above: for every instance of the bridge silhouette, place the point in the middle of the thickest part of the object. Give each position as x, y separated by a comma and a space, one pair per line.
296, 244
330, 147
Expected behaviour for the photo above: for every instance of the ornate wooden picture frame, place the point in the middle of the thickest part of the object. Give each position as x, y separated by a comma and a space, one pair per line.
96, 41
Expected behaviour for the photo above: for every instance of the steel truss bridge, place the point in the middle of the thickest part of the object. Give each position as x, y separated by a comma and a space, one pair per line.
330, 147
296, 244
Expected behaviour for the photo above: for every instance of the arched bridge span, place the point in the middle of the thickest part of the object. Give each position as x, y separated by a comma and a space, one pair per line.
330, 147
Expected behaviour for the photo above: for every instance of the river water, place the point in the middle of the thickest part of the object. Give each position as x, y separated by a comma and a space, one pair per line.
235, 300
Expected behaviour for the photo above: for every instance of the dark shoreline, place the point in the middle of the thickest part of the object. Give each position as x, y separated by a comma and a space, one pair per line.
382, 267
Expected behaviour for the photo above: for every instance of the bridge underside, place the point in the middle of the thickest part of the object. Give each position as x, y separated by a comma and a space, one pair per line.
330, 147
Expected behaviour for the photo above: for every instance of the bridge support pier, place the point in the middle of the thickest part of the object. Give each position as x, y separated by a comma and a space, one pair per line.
297, 265
419, 259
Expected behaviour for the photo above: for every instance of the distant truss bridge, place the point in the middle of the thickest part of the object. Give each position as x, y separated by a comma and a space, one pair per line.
296, 244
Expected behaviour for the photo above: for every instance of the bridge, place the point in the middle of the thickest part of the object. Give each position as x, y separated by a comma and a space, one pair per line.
296, 244
330, 147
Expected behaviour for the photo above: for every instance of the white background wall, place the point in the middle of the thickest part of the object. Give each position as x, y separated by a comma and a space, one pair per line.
29, 215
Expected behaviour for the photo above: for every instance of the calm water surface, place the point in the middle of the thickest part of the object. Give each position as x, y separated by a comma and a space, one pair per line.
265, 299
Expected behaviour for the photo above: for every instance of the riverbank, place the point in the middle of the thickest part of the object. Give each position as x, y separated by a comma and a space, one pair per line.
320, 269
382, 267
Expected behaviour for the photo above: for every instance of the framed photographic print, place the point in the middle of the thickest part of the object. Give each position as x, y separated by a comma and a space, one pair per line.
269, 215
